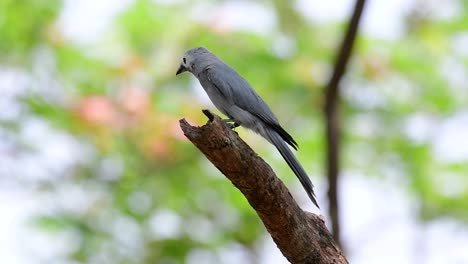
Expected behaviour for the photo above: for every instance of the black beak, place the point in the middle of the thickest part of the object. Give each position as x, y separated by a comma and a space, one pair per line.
181, 70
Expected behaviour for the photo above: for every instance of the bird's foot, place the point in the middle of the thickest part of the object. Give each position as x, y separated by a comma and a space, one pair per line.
231, 123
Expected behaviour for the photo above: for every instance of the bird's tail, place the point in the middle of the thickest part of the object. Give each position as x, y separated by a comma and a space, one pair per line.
292, 161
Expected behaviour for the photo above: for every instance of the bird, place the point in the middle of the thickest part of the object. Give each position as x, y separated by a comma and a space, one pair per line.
236, 99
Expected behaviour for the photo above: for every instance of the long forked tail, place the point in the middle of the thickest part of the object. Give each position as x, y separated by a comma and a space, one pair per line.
293, 163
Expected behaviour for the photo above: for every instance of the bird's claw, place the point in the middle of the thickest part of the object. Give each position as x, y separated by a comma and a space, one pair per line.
231, 123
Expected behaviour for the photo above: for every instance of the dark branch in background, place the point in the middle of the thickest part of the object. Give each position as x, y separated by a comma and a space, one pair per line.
332, 117
302, 237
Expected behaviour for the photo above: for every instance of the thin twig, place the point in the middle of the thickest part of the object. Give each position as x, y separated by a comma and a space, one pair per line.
332, 116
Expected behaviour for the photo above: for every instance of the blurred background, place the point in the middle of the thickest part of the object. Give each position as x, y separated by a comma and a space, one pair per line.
94, 167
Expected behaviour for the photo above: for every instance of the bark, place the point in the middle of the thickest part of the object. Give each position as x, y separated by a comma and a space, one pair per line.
301, 236
332, 118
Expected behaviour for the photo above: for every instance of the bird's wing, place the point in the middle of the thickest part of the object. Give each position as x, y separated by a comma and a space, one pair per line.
237, 90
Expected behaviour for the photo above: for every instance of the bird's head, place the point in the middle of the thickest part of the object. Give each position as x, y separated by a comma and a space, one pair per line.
194, 60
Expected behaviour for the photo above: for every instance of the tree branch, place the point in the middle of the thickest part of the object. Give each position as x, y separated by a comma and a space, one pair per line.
301, 236
332, 117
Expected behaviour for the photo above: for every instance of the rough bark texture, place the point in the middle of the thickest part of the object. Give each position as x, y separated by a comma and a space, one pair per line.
301, 236
332, 117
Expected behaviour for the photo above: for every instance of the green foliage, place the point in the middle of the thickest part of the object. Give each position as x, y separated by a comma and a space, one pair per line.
25, 24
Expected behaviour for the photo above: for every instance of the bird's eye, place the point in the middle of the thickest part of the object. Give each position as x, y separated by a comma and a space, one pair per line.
184, 60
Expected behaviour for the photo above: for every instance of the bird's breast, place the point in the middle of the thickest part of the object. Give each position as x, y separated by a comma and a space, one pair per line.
217, 97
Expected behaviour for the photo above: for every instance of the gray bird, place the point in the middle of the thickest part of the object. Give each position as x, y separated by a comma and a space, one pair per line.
235, 98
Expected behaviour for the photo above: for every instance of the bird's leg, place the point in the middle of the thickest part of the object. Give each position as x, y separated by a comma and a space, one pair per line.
231, 122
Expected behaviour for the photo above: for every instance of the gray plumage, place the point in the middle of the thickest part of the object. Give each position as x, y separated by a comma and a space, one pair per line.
235, 98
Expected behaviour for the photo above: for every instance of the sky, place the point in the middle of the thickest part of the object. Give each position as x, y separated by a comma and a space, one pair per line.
380, 207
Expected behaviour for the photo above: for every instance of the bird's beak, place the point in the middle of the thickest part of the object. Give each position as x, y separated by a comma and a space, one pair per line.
181, 70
